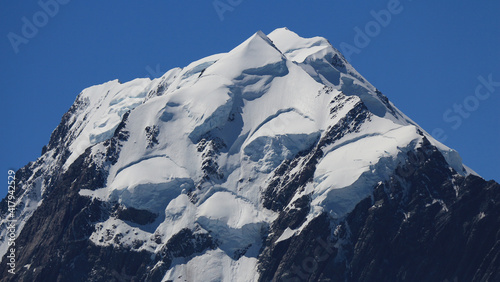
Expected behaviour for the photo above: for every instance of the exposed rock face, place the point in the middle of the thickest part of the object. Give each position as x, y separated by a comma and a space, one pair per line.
55, 240
427, 226
276, 161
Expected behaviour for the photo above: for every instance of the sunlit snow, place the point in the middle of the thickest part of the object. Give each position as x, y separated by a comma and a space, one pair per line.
222, 125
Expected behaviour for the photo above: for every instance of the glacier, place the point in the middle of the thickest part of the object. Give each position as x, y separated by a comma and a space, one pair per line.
199, 146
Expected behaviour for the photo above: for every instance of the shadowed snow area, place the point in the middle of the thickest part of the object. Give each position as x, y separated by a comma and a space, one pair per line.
198, 147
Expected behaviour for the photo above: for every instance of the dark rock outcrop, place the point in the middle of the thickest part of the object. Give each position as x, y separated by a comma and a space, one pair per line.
432, 225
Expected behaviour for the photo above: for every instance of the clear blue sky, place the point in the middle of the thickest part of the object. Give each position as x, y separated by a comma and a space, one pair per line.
426, 58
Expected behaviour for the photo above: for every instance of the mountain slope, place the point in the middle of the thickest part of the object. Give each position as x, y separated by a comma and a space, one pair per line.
247, 166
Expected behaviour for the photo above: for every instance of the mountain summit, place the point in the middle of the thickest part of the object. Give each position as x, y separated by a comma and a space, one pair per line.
276, 161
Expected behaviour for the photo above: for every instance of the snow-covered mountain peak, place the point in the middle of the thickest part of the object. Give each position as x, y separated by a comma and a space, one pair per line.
293, 46
221, 150
256, 54
328, 66
256, 106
